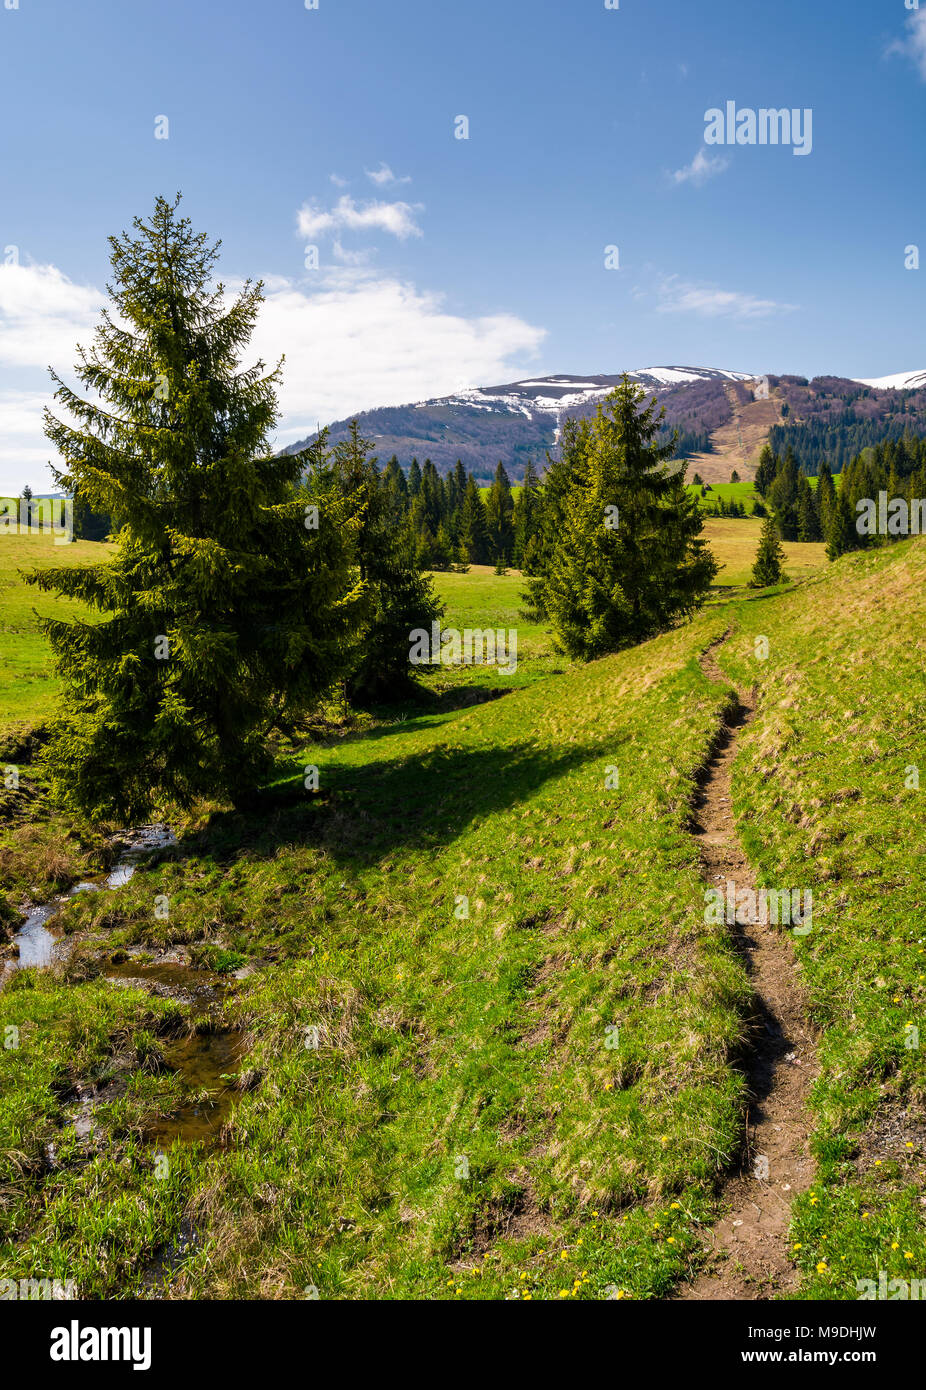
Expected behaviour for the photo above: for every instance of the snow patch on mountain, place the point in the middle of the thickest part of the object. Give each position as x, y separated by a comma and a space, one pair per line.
900, 381
555, 395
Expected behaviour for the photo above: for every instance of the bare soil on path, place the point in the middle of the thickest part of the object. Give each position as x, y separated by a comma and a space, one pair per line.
748, 1255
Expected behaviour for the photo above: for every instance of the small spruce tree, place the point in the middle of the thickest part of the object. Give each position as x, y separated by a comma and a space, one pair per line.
770, 557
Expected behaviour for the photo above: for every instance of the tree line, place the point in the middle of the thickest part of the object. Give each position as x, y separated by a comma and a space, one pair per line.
244, 586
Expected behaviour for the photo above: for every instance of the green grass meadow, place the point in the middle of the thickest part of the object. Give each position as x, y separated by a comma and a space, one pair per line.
489, 1045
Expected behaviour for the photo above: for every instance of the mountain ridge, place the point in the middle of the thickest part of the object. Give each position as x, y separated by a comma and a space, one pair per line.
514, 422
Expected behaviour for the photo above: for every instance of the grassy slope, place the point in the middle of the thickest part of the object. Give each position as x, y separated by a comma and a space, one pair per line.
445, 1042
486, 1039
28, 686
823, 797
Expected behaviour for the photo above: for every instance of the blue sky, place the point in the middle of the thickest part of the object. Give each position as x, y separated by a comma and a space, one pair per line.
481, 260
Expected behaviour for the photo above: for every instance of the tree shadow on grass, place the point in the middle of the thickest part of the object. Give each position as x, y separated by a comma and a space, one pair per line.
419, 802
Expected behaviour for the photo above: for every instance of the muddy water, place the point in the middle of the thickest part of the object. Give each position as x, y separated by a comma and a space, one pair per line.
207, 1062
207, 1059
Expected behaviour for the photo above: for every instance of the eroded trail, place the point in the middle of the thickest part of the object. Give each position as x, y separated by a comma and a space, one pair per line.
749, 1244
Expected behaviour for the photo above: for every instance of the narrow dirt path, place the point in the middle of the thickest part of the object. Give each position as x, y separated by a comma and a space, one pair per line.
749, 1244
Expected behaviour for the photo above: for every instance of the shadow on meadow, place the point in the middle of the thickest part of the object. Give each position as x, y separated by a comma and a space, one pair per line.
420, 803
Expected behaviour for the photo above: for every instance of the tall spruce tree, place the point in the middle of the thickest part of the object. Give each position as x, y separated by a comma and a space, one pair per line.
401, 597
474, 529
826, 497
526, 514
808, 520
222, 614
499, 508
563, 473
783, 496
766, 471
842, 535
629, 561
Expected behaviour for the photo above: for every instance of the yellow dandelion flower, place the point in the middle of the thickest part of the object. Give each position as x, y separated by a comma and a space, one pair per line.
822, 1267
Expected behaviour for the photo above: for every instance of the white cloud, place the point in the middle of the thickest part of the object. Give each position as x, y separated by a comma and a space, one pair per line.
356, 342
43, 315
24, 450
345, 257
914, 45
396, 218
352, 341
384, 175
338, 181
678, 296
701, 168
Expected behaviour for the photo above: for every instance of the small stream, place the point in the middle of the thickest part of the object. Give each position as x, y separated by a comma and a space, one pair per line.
40, 947
206, 1059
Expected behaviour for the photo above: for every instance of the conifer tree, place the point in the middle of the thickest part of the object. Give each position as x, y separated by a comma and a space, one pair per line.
808, 522
629, 561
474, 529
842, 535
766, 471
770, 557
222, 614
526, 514
826, 497
562, 474
783, 496
400, 596
499, 508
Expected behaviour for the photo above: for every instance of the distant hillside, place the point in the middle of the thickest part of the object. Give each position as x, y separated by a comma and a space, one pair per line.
834, 418
723, 418
522, 420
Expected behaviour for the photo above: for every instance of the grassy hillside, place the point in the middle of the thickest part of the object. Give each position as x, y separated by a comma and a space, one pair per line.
566, 1045
826, 799
28, 686
525, 1080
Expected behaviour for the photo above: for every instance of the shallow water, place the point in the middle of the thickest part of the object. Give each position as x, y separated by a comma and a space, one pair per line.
171, 977
206, 1061
36, 944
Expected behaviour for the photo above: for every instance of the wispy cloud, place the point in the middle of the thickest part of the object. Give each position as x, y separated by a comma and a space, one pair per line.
914, 45
353, 338
677, 296
356, 340
396, 218
338, 181
43, 315
701, 168
384, 175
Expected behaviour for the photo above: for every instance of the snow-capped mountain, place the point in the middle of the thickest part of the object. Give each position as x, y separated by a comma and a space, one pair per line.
521, 419
556, 394
900, 381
